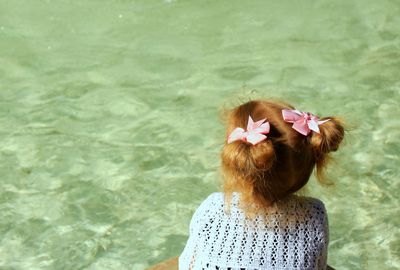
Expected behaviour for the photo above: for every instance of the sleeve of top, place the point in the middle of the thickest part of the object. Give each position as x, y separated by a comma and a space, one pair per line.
323, 237
187, 259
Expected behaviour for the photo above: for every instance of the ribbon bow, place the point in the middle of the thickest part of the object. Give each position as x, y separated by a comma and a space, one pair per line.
254, 134
303, 122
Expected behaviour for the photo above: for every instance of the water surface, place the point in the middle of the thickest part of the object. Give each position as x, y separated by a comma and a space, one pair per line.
110, 131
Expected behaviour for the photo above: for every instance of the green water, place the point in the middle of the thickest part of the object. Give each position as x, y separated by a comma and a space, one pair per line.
110, 132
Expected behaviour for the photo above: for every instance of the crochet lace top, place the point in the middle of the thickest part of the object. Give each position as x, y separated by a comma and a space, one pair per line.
293, 235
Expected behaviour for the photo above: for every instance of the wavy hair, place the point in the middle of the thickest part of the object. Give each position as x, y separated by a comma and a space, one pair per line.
278, 166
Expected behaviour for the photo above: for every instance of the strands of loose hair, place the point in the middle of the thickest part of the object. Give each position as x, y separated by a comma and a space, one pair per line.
278, 166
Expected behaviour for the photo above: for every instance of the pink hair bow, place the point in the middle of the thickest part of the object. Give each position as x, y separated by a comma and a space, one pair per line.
303, 122
254, 134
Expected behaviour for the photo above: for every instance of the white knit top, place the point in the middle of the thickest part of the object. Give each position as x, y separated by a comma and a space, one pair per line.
294, 235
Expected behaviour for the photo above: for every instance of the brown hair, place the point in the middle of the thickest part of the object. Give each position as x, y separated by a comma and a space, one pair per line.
278, 166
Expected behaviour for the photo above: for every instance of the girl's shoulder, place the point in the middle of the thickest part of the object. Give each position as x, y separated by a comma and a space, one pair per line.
214, 200
215, 196
206, 209
308, 204
294, 205
310, 212
295, 211
217, 199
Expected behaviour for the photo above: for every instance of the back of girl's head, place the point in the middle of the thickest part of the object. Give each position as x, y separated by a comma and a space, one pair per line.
280, 165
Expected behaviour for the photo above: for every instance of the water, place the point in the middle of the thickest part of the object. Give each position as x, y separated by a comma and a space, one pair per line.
110, 131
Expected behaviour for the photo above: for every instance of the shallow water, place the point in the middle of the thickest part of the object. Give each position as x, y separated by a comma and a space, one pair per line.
110, 131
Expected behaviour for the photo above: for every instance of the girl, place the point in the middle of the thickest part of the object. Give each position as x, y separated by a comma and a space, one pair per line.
258, 222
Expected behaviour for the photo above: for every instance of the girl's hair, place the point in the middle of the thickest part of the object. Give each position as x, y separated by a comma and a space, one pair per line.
278, 166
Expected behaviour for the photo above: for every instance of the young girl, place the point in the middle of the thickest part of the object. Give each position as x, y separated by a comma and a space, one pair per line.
258, 222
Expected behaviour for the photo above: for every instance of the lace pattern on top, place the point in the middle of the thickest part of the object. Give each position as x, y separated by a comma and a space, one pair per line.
292, 236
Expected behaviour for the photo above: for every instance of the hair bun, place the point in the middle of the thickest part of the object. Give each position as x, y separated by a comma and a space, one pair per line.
263, 155
330, 137
248, 159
